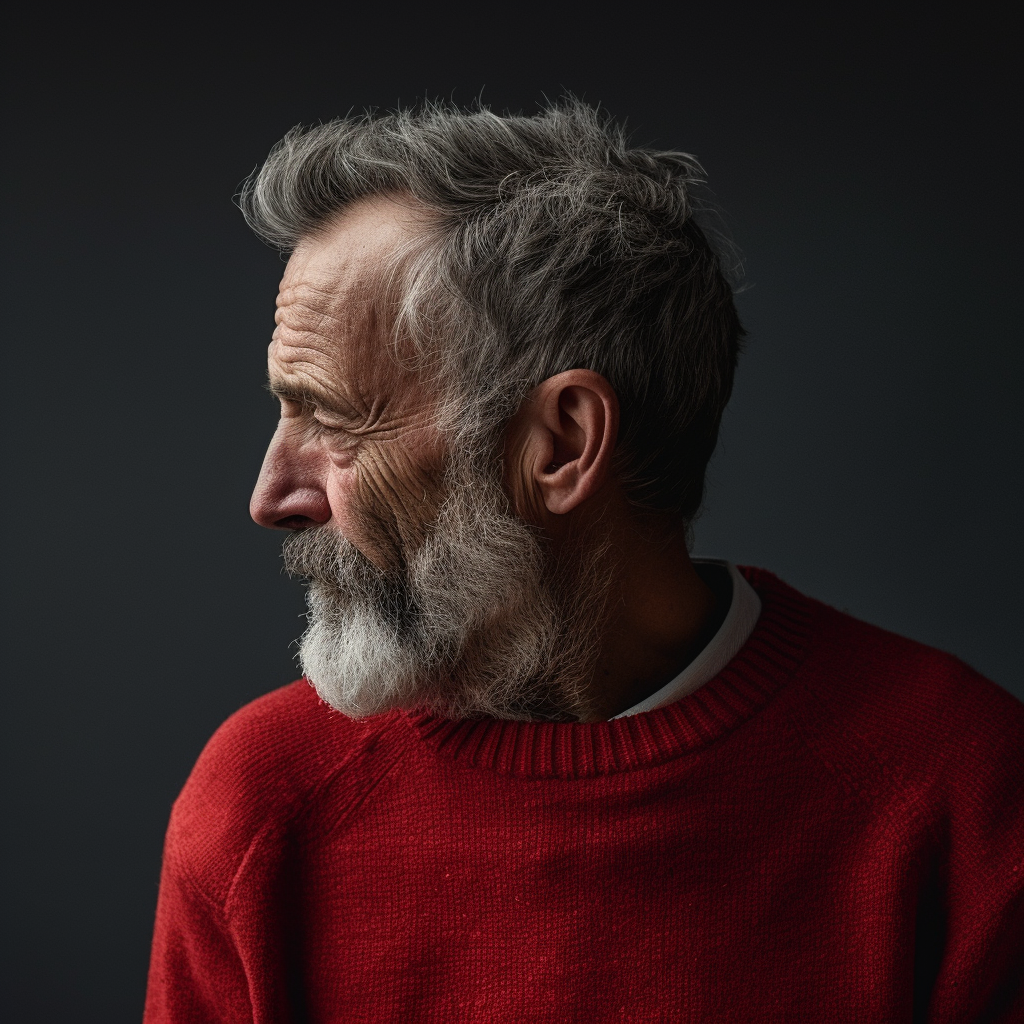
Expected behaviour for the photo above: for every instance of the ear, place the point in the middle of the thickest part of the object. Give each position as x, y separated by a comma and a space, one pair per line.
561, 443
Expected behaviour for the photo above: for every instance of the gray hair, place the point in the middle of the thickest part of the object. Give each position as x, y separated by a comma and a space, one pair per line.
551, 245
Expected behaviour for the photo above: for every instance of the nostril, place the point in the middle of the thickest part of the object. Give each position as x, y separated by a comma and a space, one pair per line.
283, 506
294, 523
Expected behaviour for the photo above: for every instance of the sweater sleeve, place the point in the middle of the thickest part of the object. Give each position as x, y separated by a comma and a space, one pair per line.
195, 973
981, 906
934, 749
221, 942
201, 969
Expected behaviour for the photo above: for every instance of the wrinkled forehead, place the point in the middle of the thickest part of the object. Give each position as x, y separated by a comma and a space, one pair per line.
332, 307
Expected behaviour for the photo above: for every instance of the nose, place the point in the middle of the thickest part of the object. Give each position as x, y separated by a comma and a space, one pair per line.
289, 494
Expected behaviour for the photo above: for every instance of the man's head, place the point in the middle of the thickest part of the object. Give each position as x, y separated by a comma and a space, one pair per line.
488, 331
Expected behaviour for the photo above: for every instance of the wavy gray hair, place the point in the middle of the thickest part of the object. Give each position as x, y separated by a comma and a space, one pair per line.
551, 245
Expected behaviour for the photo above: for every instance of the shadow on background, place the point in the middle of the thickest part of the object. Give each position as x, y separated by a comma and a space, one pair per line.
870, 456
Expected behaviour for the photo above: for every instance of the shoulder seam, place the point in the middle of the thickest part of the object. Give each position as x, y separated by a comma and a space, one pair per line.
303, 805
185, 872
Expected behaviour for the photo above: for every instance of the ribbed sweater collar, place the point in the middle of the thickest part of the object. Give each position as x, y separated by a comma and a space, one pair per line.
579, 750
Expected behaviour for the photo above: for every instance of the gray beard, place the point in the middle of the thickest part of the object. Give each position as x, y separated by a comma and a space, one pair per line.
479, 621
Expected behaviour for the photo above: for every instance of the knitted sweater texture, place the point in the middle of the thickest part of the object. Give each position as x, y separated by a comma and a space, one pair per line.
829, 830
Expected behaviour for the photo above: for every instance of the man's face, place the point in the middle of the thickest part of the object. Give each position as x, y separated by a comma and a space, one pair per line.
356, 446
425, 589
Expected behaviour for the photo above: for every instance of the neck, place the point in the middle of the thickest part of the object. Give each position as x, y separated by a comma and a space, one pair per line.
660, 616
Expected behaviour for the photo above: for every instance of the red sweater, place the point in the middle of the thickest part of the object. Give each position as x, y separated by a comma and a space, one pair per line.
830, 830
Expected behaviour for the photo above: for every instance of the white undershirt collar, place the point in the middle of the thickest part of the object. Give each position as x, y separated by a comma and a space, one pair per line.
739, 622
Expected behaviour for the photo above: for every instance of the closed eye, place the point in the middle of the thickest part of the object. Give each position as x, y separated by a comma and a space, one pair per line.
331, 428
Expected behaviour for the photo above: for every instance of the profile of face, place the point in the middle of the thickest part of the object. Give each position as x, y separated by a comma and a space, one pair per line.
425, 588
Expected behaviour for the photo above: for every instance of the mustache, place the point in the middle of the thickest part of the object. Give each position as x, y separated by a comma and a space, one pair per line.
320, 555
336, 569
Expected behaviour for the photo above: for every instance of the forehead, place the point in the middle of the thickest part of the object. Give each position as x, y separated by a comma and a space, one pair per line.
328, 305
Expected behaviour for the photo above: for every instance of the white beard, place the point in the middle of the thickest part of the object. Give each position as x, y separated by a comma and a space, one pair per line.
479, 621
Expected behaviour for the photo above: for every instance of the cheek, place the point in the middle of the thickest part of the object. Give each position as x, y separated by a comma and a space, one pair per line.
342, 488
382, 501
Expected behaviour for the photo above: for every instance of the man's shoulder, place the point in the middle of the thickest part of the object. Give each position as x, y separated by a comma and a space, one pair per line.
877, 701
288, 735
883, 670
257, 773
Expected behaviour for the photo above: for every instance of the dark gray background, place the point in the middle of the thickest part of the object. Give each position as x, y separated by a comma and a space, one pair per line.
868, 167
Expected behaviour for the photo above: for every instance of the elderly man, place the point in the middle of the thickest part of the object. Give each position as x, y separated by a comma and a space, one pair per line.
550, 768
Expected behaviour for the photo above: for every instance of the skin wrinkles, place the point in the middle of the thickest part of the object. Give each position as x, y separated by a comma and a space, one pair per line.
397, 517
353, 421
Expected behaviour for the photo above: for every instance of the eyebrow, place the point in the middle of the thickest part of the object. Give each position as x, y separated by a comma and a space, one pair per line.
306, 396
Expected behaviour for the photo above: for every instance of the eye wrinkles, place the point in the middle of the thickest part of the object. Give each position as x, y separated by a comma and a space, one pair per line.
330, 413
310, 399
345, 385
